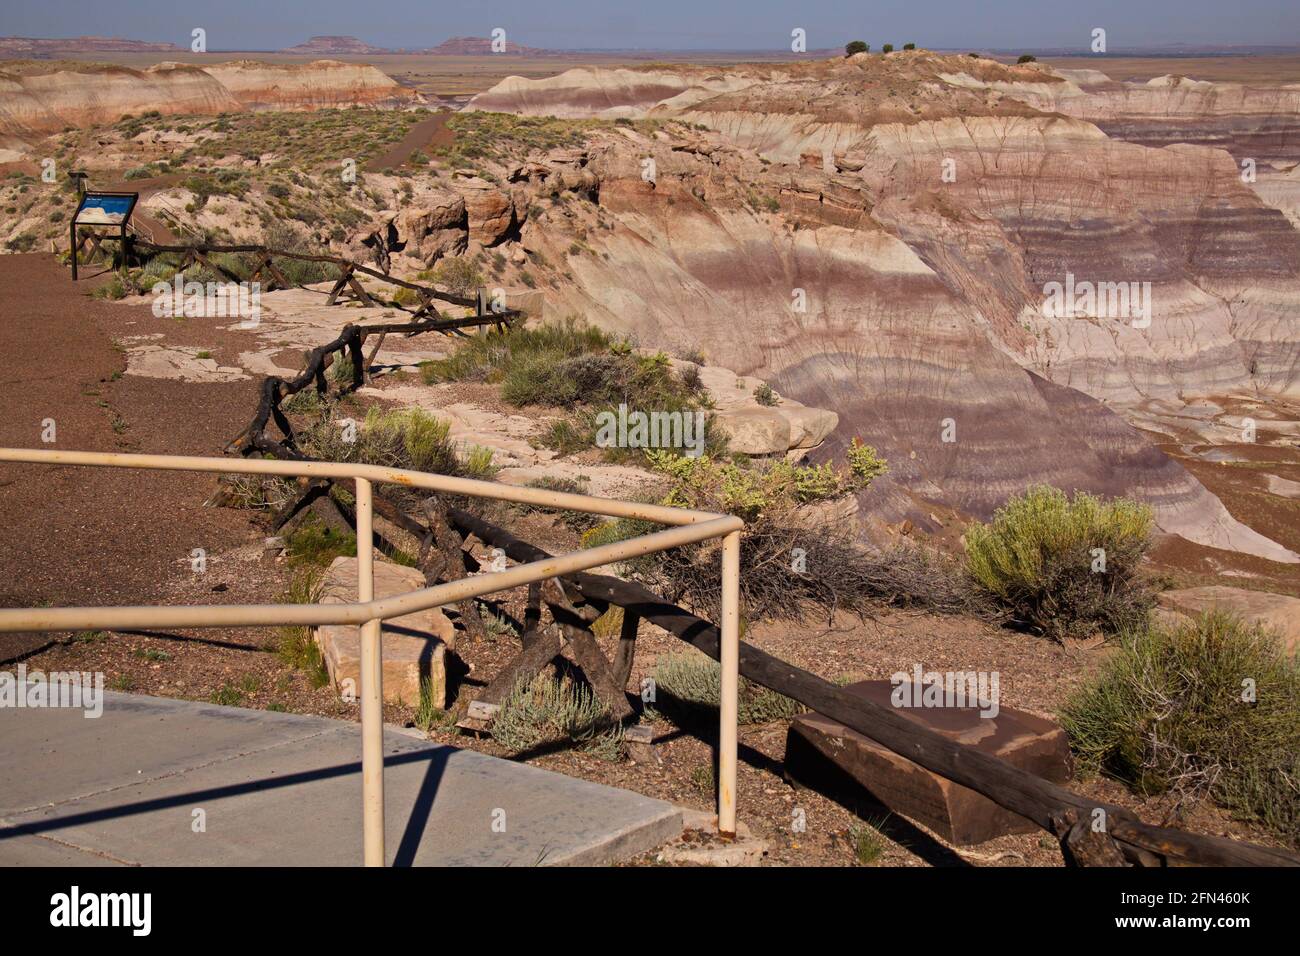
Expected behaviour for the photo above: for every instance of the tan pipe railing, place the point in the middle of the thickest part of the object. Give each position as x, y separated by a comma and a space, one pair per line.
687, 527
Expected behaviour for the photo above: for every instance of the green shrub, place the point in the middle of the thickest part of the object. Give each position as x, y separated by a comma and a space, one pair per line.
114, 288
476, 462
284, 236
569, 436
489, 358
764, 395
428, 715
296, 646
688, 687
546, 710
753, 490
341, 371
1027, 58
887, 48
1206, 708
855, 46
1065, 567
313, 543
867, 841
460, 276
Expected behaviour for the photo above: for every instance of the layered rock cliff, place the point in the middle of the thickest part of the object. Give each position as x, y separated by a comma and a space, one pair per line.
33, 105
878, 235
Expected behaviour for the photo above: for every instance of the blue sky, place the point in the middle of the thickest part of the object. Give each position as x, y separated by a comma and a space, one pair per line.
671, 24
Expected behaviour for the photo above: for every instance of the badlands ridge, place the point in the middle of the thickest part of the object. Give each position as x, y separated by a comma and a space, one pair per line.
875, 235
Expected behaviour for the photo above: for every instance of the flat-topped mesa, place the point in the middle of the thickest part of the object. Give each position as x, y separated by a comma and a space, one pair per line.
336, 46
315, 85
38, 104
45, 46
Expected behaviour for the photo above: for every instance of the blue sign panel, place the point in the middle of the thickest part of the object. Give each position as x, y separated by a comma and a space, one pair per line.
105, 209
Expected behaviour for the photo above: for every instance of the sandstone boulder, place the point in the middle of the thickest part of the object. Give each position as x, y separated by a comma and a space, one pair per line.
414, 646
755, 431
437, 227
809, 427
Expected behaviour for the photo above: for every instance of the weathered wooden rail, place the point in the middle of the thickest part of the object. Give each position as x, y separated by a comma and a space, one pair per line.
351, 340
200, 251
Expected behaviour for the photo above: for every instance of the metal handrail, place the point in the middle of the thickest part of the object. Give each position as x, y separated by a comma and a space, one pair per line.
687, 527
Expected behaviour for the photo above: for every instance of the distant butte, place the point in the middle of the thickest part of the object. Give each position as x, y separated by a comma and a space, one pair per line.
334, 46
480, 46
41, 46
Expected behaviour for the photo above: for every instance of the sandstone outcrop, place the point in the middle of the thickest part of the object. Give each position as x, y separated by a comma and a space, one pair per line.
1279, 613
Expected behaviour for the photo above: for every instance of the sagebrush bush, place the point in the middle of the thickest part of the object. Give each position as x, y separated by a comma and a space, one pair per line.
408, 438
795, 557
547, 710
283, 236
688, 687
460, 276
1065, 567
1206, 708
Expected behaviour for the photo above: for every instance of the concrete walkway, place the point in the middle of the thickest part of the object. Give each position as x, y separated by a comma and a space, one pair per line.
285, 790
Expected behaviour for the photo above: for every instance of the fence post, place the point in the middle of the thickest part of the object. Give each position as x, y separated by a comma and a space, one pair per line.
372, 686
729, 657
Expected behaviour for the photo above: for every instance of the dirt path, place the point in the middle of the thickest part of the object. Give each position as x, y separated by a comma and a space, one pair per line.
150, 227
98, 536
430, 132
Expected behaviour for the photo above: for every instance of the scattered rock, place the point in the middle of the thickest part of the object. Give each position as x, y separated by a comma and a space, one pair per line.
414, 645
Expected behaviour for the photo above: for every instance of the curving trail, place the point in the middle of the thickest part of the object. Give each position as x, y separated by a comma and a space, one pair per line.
430, 132
98, 536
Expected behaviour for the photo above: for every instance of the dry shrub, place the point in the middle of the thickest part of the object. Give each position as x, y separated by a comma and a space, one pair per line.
548, 710
688, 688
1207, 708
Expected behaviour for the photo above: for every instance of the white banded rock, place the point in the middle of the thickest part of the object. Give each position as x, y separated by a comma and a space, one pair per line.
414, 645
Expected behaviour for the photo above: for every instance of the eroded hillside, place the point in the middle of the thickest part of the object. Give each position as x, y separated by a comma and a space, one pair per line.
874, 235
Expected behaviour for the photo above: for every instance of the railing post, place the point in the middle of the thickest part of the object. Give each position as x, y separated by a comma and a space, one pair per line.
372, 686
728, 708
